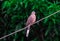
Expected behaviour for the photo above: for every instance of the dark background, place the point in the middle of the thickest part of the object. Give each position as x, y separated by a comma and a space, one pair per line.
14, 13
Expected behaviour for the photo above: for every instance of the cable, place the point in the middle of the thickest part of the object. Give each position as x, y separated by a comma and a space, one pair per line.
28, 25
47, 17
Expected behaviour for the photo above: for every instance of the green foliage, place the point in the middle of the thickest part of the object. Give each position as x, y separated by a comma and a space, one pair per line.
15, 13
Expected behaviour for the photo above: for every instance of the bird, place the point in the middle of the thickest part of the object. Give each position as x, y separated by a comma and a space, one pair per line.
31, 19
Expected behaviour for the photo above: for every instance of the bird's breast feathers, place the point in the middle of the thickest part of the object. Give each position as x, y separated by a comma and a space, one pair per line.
31, 19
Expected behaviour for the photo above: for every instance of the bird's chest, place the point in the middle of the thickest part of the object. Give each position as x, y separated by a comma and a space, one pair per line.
33, 18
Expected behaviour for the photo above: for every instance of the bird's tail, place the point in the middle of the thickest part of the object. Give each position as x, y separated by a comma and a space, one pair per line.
27, 33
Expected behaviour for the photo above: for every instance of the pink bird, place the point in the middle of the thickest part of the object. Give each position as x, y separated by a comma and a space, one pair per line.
31, 19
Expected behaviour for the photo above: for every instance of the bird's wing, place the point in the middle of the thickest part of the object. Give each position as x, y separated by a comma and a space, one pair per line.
30, 20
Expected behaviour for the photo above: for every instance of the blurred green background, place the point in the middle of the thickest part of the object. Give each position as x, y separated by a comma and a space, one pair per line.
14, 13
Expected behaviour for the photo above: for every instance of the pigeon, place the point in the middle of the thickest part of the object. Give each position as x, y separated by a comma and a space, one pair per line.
31, 19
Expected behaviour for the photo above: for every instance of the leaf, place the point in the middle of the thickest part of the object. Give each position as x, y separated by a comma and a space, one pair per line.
54, 21
26, 4
6, 4
33, 7
45, 21
13, 18
8, 11
15, 7
47, 31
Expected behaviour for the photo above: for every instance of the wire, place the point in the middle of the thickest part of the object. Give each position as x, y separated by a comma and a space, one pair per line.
47, 16
28, 25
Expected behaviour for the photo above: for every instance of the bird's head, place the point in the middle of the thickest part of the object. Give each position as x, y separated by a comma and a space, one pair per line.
33, 12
